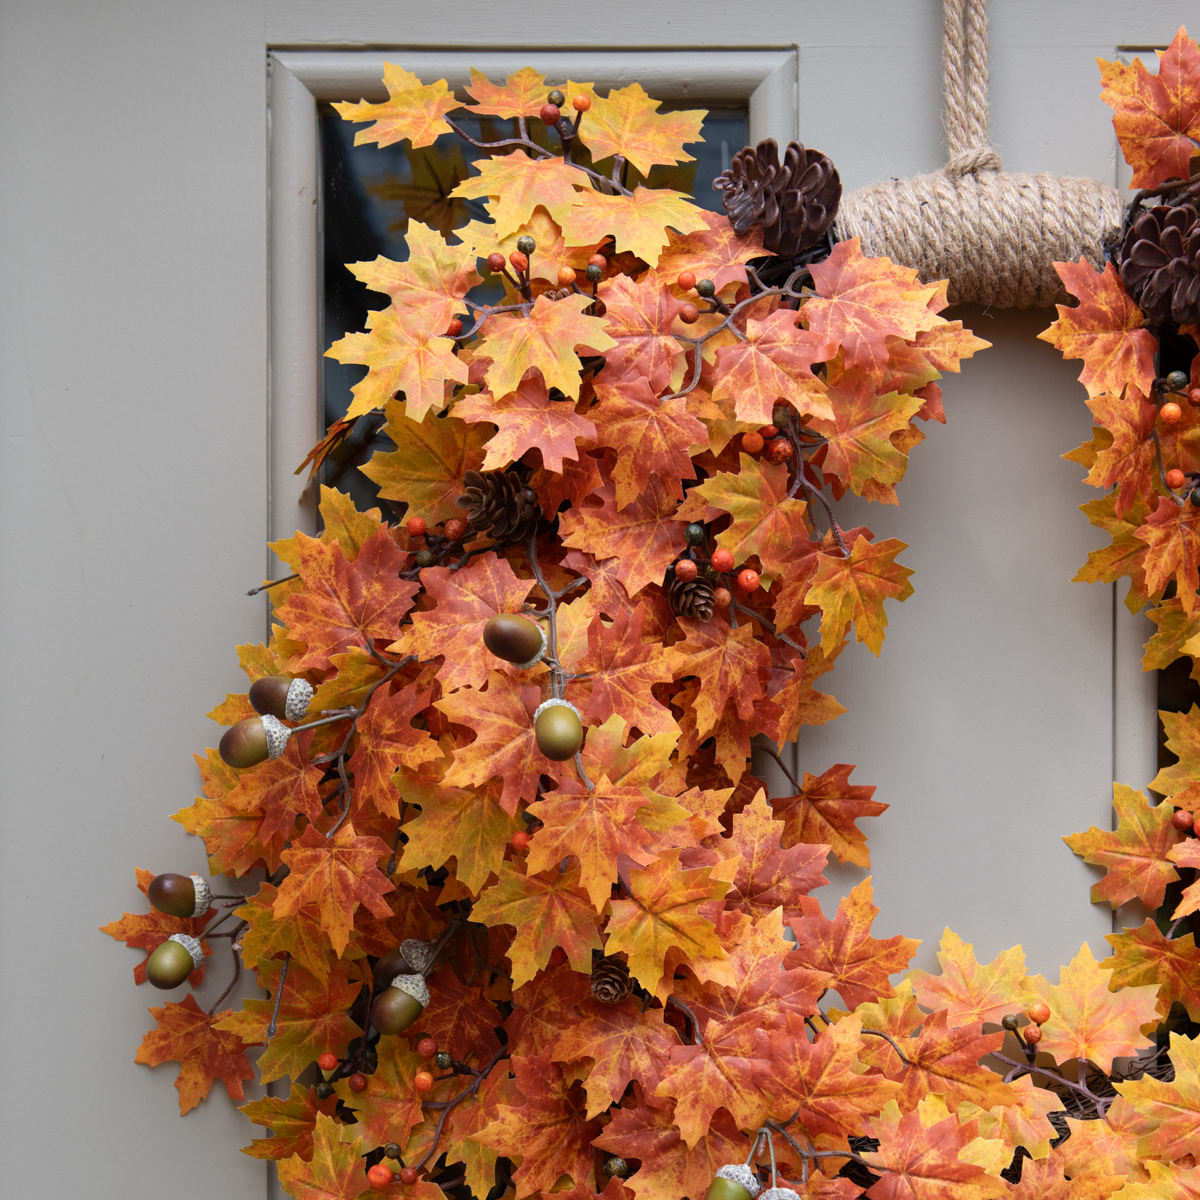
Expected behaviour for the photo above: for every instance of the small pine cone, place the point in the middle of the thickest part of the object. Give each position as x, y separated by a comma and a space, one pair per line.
1160, 264
559, 293
694, 599
610, 980
499, 503
795, 202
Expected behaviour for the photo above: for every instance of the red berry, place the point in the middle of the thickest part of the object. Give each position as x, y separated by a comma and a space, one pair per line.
752, 443
566, 276
358, 1082
598, 260
780, 450
422, 1081
769, 432
379, 1176
520, 840
1176, 478
689, 314
1170, 413
747, 580
454, 328
686, 280
416, 526
550, 114
454, 529
495, 262
519, 260
721, 597
1038, 1013
327, 1061
1194, 397
686, 570
581, 103
722, 560
1183, 820
1032, 1034
408, 1175
427, 1047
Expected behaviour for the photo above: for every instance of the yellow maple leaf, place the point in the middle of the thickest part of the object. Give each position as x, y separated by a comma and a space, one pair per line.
413, 110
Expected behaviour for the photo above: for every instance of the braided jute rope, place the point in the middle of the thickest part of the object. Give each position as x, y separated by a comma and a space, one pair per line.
993, 235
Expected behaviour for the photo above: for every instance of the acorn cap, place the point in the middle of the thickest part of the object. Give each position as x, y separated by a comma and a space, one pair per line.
742, 1175
778, 1193
299, 694
552, 703
414, 986
203, 896
277, 735
192, 946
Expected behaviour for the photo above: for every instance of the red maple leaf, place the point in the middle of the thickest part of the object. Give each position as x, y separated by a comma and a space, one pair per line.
388, 741
824, 811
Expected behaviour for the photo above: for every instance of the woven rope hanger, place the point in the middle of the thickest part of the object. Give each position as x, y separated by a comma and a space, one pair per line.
993, 235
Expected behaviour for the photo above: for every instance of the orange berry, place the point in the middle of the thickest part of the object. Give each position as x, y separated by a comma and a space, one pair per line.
1176, 478
686, 280
566, 276
721, 597
550, 114
1038, 1013
598, 260
1032, 1034
408, 1175
422, 1081
769, 432
722, 560
686, 570
454, 528
689, 314
427, 1047
520, 840
416, 526
454, 328
581, 103
358, 1082
1183, 820
747, 580
519, 260
495, 262
1170, 413
327, 1061
379, 1176
752, 442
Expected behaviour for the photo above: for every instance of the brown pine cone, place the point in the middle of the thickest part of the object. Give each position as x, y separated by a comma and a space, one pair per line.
795, 203
610, 980
1160, 264
499, 503
694, 599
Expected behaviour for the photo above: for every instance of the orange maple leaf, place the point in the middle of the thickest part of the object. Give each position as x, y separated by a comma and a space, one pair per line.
290, 1119
186, 1034
280, 789
727, 661
516, 184
388, 741
1144, 956
301, 935
713, 252
1187, 854
337, 874
1135, 854
1181, 780
1175, 1105
637, 223
388, 1109
1157, 117
413, 110
627, 122
968, 992
335, 1171
824, 812
1172, 533
467, 1119
522, 94
543, 1008
1104, 329
639, 316
230, 834
1129, 459
459, 1018
854, 589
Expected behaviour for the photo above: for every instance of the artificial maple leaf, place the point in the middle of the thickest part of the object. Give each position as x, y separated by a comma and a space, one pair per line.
551, 1132
186, 1034
1172, 533
645, 536
544, 1008
854, 589
1144, 956
1187, 854
230, 834
547, 910
824, 811
546, 340
516, 184
291, 1122
1129, 460
920, 1162
522, 94
1125, 556
1157, 117
1104, 329
430, 284
651, 437
505, 746
552, 255
413, 110
1174, 629
669, 1167
400, 356
388, 741
347, 685
627, 122
1107, 1146
467, 1119
1181, 780
727, 661
1022, 1124
625, 1042
1175, 1105
460, 1019
346, 602
862, 301
662, 912
639, 316
299, 935
388, 1109
637, 223
1135, 853
337, 874
858, 963
281, 789
1086, 1019
968, 992
714, 252
335, 1171
525, 419
427, 466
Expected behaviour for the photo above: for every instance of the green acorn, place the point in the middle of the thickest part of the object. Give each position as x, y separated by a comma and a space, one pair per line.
558, 729
279, 696
734, 1182
254, 740
173, 961
516, 639
400, 1004
179, 896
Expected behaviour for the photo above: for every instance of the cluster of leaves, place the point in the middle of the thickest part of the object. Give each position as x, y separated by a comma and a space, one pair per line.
394, 819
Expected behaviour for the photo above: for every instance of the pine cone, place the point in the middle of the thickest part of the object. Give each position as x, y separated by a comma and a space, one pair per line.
694, 599
1160, 264
499, 503
610, 980
794, 203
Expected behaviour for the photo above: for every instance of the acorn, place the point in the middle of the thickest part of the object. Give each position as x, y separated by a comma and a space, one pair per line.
515, 639
558, 729
279, 696
400, 1005
173, 961
179, 896
253, 740
734, 1182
